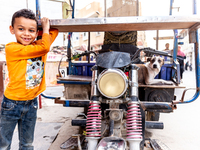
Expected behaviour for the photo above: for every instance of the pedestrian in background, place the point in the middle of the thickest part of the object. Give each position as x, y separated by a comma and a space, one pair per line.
181, 61
25, 59
168, 59
186, 65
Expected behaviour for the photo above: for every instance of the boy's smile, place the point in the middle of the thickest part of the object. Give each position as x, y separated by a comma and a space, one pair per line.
25, 30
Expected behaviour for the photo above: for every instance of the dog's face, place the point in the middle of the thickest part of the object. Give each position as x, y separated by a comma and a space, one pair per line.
155, 62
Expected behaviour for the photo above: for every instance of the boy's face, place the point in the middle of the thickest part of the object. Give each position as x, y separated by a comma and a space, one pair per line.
25, 30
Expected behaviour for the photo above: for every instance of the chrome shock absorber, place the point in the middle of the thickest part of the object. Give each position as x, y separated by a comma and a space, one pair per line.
134, 126
93, 124
134, 118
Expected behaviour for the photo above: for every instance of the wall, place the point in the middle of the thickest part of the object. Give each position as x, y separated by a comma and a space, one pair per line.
121, 8
52, 72
96, 39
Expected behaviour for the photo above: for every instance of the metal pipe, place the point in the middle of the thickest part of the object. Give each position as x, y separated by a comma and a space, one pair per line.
105, 7
158, 106
72, 103
89, 46
197, 64
79, 122
175, 45
154, 125
38, 13
157, 36
27, 4
73, 82
175, 34
69, 41
137, 8
49, 97
94, 88
175, 62
69, 102
40, 101
170, 9
194, 7
148, 124
133, 82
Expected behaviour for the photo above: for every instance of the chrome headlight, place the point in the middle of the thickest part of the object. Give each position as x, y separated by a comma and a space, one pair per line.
112, 83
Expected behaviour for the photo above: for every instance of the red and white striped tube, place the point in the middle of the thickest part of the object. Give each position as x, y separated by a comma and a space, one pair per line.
134, 125
93, 124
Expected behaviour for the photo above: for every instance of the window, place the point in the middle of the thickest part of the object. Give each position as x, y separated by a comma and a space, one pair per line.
85, 35
98, 33
75, 36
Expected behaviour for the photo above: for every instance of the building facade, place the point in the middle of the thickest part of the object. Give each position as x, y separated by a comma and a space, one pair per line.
81, 40
187, 48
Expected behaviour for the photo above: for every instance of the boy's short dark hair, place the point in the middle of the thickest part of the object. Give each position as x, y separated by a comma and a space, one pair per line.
26, 13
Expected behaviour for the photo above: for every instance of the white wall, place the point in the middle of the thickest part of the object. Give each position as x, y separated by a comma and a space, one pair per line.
50, 9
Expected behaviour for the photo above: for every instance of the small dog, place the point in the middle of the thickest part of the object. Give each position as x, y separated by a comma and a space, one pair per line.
148, 72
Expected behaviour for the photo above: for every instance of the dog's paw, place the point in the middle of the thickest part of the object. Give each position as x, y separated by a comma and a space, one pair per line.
169, 83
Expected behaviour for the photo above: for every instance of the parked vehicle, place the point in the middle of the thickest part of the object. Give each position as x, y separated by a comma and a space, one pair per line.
116, 119
117, 110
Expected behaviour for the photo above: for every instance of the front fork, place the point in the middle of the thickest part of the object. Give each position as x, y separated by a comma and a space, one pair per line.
93, 124
134, 127
134, 117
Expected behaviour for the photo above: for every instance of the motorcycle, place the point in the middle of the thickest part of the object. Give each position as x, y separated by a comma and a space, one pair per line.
115, 113
115, 117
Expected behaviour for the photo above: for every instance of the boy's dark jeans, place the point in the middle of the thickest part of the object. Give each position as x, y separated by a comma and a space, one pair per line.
23, 114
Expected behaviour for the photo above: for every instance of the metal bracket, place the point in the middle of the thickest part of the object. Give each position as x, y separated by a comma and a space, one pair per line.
192, 33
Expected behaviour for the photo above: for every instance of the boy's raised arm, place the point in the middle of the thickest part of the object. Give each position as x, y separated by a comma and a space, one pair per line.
37, 48
45, 25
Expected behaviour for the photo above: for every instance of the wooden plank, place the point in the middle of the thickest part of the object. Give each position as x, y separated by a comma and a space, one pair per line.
164, 38
89, 79
162, 86
126, 23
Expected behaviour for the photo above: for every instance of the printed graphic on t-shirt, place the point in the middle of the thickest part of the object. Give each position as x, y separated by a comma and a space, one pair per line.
34, 72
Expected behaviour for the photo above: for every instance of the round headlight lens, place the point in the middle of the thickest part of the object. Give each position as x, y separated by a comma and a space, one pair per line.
112, 83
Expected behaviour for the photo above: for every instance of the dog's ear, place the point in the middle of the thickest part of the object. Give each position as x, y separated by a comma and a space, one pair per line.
148, 59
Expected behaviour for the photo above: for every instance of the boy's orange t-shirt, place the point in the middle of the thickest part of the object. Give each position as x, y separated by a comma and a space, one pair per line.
26, 67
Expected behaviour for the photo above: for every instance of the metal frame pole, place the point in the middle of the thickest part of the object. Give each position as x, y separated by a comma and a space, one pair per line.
89, 46
38, 14
69, 41
197, 60
105, 7
175, 62
175, 35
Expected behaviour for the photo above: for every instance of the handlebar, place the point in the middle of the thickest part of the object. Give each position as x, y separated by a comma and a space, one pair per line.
77, 55
150, 52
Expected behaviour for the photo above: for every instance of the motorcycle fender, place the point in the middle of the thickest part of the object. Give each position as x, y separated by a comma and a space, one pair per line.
111, 143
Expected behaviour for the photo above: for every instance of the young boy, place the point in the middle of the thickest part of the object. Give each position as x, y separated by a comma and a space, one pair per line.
25, 60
